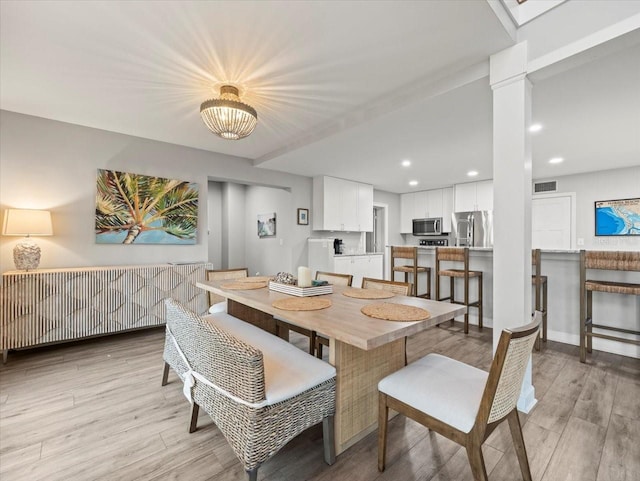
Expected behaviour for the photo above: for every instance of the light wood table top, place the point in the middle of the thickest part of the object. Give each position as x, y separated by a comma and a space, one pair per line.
343, 321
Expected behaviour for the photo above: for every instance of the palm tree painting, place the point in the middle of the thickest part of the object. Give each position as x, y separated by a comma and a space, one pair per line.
140, 209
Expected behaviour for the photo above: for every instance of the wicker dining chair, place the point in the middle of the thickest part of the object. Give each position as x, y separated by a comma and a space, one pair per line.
227, 377
338, 280
461, 402
223, 275
332, 278
400, 288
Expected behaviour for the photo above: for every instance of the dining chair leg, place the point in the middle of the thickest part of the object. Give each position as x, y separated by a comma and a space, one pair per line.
544, 312
383, 415
452, 291
328, 440
165, 374
590, 318
193, 425
466, 303
476, 460
480, 294
252, 474
518, 442
312, 343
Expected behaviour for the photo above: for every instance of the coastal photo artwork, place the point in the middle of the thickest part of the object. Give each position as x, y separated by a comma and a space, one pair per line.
142, 209
618, 217
267, 225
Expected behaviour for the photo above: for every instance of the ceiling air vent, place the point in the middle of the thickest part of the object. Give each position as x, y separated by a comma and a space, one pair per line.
542, 187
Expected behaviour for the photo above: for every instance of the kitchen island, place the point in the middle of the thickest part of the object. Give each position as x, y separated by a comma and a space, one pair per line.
562, 268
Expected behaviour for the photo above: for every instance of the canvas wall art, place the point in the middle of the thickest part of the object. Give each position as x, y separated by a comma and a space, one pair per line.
267, 225
617, 217
141, 209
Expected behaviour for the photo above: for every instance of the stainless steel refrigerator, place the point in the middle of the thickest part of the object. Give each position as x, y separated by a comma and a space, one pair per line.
472, 229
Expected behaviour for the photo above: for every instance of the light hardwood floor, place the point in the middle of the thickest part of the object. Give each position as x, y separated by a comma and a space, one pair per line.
95, 410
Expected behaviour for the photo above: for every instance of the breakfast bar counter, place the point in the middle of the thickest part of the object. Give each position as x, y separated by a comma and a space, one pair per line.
562, 268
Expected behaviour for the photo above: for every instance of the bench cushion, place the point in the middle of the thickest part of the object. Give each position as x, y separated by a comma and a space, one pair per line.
441, 387
288, 371
218, 307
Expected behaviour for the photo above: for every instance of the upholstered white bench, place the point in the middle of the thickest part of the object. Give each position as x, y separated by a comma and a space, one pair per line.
252, 383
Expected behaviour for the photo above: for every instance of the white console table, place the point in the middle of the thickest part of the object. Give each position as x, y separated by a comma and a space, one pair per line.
57, 305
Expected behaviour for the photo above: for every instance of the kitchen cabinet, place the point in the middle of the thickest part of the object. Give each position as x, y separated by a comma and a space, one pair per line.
359, 267
426, 204
342, 205
474, 196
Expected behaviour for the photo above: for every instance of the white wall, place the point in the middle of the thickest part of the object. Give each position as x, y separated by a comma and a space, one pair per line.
214, 209
269, 255
234, 226
594, 186
46, 164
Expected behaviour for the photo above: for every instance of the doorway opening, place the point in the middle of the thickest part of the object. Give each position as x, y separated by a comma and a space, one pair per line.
377, 240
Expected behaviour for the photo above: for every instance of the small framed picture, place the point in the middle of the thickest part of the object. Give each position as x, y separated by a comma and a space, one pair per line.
303, 216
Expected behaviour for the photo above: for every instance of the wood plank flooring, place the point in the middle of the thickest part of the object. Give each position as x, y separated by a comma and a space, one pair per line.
95, 410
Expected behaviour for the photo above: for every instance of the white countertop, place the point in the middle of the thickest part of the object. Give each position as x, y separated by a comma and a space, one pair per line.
361, 254
490, 249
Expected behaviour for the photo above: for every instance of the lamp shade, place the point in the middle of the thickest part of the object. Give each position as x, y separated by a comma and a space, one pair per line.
27, 222
227, 117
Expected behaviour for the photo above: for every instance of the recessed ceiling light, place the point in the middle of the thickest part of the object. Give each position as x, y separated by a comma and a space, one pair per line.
406, 163
535, 128
413, 183
472, 173
556, 160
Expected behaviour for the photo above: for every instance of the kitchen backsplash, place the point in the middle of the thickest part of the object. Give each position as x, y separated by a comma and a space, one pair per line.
354, 242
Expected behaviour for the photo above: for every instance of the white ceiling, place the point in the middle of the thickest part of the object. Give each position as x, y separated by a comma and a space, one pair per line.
341, 88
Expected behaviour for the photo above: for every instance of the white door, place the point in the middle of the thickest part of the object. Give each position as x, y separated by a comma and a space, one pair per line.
551, 222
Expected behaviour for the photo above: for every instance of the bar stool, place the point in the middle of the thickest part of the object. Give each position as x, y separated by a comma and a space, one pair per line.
459, 254
414, 269
540, 293
604, 260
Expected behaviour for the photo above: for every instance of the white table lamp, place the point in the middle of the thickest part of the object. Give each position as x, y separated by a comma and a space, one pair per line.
27, 222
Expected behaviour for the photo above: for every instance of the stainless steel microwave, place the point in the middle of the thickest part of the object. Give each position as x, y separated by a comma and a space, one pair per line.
432, 226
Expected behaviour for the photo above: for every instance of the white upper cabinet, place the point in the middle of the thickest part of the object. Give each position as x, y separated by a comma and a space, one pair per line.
447, 208
365, 208
474, 196
406, 213
342, 205
420, 205
426, 204
484, 195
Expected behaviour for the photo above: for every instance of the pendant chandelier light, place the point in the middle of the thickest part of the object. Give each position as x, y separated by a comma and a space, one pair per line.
227, 117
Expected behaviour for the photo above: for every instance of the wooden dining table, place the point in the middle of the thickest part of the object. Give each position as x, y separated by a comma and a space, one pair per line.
361, 348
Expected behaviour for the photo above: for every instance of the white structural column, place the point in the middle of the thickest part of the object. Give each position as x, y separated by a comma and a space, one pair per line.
512, 198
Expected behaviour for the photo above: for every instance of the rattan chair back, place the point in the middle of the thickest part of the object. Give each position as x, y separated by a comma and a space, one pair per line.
221, 275
401, 288
335, 278
507, 372
612, 260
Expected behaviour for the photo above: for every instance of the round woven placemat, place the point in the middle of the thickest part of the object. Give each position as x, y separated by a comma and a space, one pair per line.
367, 293
390, 311
257, 279
243, 285
302, 303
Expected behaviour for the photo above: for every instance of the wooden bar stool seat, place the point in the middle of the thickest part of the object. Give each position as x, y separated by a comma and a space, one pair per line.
459, 254
539, 283
610, 261
413, 269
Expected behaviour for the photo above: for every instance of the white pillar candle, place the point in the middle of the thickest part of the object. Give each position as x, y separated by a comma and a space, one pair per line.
304, 276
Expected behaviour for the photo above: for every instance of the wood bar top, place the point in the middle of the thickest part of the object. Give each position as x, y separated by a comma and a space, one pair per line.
343, 321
